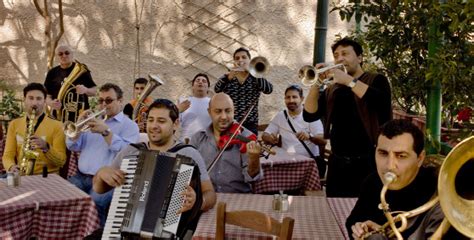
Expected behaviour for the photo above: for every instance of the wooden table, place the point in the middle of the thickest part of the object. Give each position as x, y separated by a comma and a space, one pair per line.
285, 171
313, 218
45, 208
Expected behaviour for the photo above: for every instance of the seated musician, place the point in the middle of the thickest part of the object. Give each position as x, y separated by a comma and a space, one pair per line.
138, 86
162, 124
235, 170
299, 132
46, 139
194, 115
99, 146
400, 151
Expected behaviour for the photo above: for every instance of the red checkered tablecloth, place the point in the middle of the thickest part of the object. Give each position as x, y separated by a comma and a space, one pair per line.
45, 208
288, 172
313, 218
341, 208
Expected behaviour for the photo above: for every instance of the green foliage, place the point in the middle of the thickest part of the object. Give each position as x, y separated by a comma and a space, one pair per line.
397, 36
9, 106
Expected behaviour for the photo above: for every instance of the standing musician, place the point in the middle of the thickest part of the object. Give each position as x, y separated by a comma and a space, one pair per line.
47, 139
243, 88
138, 87
239, 164
68, 86
352, 109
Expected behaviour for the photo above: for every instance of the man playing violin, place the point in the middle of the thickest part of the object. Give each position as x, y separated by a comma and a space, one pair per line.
238, 166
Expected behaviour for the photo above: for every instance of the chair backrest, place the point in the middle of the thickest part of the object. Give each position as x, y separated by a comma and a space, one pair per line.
254, 220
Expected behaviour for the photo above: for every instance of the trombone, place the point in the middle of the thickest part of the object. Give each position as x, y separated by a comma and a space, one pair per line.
309, 75
72, 130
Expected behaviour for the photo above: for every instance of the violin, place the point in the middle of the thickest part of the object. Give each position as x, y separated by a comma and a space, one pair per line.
239, 139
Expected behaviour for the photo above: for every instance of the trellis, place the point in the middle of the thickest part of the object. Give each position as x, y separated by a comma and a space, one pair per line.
218, 28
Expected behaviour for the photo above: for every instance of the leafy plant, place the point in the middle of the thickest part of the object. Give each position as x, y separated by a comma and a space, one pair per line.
9, 106
397, 36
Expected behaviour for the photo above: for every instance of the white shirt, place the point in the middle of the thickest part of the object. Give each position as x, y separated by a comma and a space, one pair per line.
195, 118
279, 125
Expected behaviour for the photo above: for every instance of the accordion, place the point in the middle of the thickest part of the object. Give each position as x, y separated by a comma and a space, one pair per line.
145, 205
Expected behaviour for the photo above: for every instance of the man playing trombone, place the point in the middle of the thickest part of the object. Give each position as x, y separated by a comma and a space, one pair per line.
244, 89
99, 146
407, 184
353, 108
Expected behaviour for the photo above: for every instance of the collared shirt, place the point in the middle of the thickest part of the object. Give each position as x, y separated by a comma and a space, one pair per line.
289, 141
95, 152
230, 174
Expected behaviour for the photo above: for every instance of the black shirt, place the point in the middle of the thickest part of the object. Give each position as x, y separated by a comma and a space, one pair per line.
412, 196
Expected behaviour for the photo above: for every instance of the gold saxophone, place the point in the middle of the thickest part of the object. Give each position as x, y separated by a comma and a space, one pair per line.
28, 160
455, 196
70, 103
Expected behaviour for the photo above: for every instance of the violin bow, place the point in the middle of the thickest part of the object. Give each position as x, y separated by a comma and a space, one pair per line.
213, 163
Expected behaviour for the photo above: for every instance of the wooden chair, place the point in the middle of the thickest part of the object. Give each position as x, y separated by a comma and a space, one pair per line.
254, 220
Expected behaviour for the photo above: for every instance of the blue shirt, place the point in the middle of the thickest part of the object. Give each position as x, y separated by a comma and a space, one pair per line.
95, 152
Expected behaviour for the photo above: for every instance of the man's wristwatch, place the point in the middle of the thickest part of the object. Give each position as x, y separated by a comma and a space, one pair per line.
106, 133
353, 83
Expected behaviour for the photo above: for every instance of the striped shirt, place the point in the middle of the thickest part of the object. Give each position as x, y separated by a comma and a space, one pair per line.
244, 95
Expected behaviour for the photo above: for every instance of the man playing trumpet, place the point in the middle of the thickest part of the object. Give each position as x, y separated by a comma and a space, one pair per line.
244, 89
353, 108
47, 139
99, 146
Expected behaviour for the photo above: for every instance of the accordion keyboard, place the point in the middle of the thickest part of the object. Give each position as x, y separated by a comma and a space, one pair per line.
119, 200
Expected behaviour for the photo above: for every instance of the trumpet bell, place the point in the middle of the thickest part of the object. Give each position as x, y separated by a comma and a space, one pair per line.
259, 67
307, 75
456, 187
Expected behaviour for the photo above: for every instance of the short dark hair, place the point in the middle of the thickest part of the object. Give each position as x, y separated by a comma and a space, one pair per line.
348, 42
34, 86
140, 81
398, 127
242, 49
202, 75
295, 87
167, 104
106, 87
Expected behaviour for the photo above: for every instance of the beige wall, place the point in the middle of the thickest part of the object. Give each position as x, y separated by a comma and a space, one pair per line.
173, 40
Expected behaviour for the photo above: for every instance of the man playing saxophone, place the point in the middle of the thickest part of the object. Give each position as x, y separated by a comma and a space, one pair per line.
68, 86
46, 141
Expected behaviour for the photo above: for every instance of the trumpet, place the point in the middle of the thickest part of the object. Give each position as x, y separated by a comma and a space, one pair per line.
72, 130
258, 67
309, 75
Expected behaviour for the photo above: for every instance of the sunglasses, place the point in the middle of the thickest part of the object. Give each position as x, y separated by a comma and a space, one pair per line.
107, 101
65, 53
